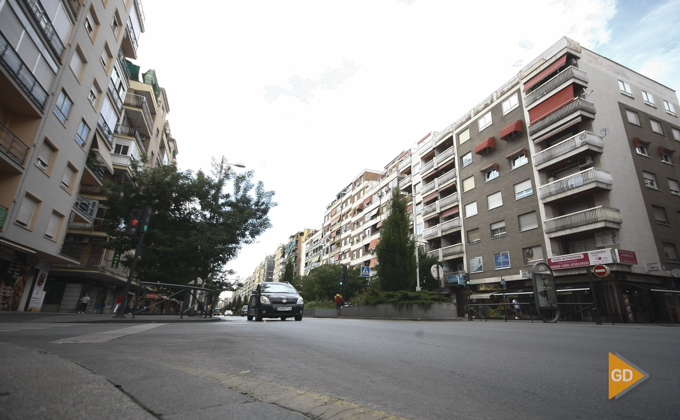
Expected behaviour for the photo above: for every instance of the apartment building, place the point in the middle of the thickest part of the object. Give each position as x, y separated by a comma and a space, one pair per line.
64, 130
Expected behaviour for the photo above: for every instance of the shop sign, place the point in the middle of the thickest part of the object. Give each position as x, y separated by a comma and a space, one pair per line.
38, 295
653, 267
581, 259
626, 257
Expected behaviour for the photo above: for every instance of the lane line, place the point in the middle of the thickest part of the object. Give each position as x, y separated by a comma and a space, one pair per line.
105, 336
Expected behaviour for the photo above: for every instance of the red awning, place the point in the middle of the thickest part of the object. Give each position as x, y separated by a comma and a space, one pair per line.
409, 209
485, 146
373, 244
488, 167
374, 262
560, 62
334, 221
430, 197
552, 104
511, 131
431, 216
359, 207
333, 212
639, 141
517, 152
448, 163
336, 257
366, 201
379, 224
333, 233
450, 211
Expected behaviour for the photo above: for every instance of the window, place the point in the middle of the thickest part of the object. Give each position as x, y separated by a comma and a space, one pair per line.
121, 149
625, 88
91, 23
490, 174
669, 107
468, 184
26, 211
498, 229
464, 136
671, 252
83, 132
510, 104
68, 177
77, 63
494, 200
676, 133
660, 215
532, 253
473, 236
650, 180
466, 159
105, 58
649, 99
519, 160
633, 117
471, 209
92, 96
667, 156
419, 229
528, 221
419, 208
63, 107
674, 186
485, 121
656, 126
45, 156
53, 225
501, 260
115, 24
642, 148
523, 189
416, 188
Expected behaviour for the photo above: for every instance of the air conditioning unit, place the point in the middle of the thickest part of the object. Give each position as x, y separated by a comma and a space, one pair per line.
585, 162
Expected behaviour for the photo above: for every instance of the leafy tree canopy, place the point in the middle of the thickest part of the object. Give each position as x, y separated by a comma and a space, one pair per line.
396, 250
288, 272
196, 227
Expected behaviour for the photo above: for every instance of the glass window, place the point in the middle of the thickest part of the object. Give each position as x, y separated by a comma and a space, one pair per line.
416, 188
669, 107
523, 189
625, 88
484, 121
501, 260
642, 148
510, 104
83, 132
471, 209
656, 126
464, 136
674, 186
278, 288
532, 253
649, 99
466, 159
667, 156
419, 229
494, 200
498, 229
473, 236
650, 180
671, 252
519, 160
660, 215
491, 174
63, 107
528, 221
676, 133
633, 117
468, 184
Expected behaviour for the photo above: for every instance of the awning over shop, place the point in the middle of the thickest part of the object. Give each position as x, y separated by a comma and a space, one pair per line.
373, 244
486, 146
511, 131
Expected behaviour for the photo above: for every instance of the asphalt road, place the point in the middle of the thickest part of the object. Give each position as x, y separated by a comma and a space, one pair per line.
348, 368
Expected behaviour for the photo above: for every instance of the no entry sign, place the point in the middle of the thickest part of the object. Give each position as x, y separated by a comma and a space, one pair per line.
601, 270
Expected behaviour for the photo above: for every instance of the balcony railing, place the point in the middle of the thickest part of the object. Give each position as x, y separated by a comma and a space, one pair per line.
113, 93
12, 145
131, 34
405, 181
75, 6
427, 166
84, 206
430, 209
574, 181
90, 189
72, 250
578, 104
21, 73
106, 130
96, 226
448, 200
431, 232
427, 188
434, 253
46, 27
138, 101
582, 218
444, 155
132, 132
567, 74
572, 143
405, 163
450, 224
452, 250
446, 177
121, 61
425, 146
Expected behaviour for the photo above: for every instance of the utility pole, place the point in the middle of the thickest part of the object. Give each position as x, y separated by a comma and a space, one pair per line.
137, 226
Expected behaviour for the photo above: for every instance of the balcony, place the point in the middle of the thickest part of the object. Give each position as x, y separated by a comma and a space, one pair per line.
450, 225
21, 74
114, 96
581, 142
562, 115
577, 183
72, 250
431, 232
106, 130
425, 147
428, 187
430, 208
46, 27
427, 166
97, 225
452, 251
448, 201
442, 180
84, 207
405, 181
132, 132
123, 65
12, 146
90, 189
444, 155
139, 103
406, 163
121, 160
129, 44
434, 253
590, 219
571, 74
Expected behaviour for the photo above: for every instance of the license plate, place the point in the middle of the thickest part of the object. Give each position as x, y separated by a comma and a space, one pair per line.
285, 308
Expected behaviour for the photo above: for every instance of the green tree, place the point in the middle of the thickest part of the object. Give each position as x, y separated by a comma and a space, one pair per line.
196, 227
396, 250
289, 272
323, 283
425, 263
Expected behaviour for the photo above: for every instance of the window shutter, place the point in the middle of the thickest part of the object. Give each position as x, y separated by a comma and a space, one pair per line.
473, 235
495, 200
470, 209
498, 225
68, 176
528, 221
45, 155
26, 210
52, 225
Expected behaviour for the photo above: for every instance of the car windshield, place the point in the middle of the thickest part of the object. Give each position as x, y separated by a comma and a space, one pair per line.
279, 288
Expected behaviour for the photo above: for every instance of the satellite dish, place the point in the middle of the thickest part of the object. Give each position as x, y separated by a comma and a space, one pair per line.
604, 132
676, 272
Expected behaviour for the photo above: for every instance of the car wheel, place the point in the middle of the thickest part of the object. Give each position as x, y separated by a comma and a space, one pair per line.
283, 318
250, 318
258, 315
298, 317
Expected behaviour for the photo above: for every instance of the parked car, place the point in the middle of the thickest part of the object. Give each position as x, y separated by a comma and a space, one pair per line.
244, 310
275, 300
228, 313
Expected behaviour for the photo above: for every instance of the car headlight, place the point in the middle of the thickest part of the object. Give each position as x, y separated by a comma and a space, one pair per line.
300, 301
264, 300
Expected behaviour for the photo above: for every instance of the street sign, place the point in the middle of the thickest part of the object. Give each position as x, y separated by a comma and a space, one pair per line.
456, 279
601, 270
437, 271
365, 271
502, 281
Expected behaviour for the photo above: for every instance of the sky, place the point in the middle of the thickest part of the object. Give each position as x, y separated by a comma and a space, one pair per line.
308, 94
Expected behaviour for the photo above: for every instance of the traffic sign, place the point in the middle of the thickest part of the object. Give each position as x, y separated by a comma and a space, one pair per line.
365, 271
601, 270
437, 271
623, 376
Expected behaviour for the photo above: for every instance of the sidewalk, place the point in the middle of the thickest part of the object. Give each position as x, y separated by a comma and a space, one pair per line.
99, 318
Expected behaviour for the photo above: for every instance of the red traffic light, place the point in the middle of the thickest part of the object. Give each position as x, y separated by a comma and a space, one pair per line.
134, 222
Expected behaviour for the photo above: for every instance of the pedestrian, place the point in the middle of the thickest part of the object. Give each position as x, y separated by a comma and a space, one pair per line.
338, 302
83, 303
517, 308
103, 305
119, 302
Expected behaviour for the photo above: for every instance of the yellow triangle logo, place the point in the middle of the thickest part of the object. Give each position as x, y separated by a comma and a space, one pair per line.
623, 376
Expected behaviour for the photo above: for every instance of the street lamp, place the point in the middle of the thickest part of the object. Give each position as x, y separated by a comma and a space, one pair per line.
418, 263
238, 165
415, 228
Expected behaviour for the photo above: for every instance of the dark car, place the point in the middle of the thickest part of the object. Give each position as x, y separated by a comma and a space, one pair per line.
244, 310
275, 300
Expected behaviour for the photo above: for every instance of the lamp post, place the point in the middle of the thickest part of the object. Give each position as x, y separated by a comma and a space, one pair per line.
418, 263
238, 165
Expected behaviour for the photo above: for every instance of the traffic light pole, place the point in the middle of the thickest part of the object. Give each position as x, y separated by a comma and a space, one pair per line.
121, 308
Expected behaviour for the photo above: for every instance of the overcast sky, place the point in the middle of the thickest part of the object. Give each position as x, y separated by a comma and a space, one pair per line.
310, 93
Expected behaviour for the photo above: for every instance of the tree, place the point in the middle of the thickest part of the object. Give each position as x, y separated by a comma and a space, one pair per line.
323, 282
425, 263
196, 227
289, 272
396, 250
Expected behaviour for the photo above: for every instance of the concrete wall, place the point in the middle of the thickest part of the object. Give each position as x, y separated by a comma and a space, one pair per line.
387, 311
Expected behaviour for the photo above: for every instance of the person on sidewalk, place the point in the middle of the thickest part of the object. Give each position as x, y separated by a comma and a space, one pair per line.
517, 308
84, 301
119, 302
338, 302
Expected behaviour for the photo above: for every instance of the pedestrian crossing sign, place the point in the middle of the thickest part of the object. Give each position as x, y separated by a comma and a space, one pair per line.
365, 271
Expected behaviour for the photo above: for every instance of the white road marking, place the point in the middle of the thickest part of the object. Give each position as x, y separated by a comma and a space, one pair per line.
105, 336
22, 326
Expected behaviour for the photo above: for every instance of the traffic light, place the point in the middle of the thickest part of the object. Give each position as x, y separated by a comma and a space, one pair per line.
466, 277
146, 217
133, 223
